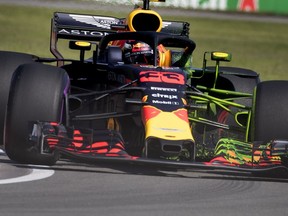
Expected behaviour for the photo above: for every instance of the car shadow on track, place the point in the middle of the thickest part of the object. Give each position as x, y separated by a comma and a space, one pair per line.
129, 169
135, 169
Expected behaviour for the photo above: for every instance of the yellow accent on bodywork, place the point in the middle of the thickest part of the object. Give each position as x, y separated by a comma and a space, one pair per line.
150, 19
82, 43
166, 125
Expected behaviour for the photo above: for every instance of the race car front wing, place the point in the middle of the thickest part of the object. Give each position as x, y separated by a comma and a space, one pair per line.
108, 146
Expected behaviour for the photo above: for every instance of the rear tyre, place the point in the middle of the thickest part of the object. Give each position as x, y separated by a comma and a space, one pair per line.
9, 61
37, 93
270, 113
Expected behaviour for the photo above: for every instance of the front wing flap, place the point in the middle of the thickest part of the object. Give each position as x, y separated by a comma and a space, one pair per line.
107, 146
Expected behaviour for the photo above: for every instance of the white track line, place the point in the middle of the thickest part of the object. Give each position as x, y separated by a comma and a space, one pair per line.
36, 174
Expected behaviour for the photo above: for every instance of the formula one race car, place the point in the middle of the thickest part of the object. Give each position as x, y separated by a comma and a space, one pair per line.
137, 98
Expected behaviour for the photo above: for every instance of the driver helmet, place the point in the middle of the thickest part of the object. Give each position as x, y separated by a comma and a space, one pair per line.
137, 52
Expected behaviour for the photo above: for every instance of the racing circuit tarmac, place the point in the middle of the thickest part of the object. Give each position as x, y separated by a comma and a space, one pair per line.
71, 188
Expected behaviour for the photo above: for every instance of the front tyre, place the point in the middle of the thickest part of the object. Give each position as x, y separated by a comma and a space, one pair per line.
37, 93
9, 61
270, 112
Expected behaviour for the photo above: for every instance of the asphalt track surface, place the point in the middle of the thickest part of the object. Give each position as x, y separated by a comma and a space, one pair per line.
72, 188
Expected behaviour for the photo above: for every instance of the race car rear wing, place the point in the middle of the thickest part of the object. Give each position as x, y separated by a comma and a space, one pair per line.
94, 28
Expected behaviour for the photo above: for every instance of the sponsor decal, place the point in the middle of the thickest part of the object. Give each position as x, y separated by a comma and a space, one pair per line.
162, 77
211, 4
165, 102
82, 32
100, 22
248, 5
165, 96
163, 89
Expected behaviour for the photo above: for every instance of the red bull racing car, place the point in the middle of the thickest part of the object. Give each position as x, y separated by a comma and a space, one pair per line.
133, 96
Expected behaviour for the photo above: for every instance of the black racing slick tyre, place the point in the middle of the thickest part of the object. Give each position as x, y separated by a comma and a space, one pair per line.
270, 112
37, 94
9, 61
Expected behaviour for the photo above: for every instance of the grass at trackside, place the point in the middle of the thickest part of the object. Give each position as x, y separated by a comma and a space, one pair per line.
262, 47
